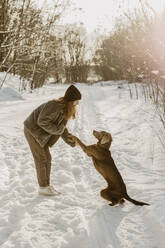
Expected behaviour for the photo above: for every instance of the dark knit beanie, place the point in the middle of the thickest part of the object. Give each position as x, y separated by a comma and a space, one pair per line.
72, 94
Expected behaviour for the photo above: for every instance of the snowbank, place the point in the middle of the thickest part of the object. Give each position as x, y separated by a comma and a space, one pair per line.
10, 94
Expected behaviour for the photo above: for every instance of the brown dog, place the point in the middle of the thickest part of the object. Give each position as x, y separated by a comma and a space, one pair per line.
116, 191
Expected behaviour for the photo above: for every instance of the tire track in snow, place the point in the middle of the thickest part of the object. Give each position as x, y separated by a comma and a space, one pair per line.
88, 121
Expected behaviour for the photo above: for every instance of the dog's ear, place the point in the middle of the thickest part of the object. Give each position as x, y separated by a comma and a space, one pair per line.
105, 139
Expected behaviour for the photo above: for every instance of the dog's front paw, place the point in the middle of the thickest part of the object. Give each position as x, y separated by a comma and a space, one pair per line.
75, 139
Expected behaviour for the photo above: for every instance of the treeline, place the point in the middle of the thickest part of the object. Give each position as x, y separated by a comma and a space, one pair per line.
34, 46
134, 48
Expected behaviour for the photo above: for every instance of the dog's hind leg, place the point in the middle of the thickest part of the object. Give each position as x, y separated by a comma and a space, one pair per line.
111, 195
106, 194
121, 201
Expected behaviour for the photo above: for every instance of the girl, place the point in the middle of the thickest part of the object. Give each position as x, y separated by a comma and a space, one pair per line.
43, 128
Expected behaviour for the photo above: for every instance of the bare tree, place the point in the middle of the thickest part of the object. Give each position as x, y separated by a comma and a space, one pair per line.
127, 51
76, 63
28, 40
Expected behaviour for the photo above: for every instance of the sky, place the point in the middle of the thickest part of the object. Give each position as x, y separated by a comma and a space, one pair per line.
96, 13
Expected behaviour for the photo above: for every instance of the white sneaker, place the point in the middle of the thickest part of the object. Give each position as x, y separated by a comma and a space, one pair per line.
54, 190
49, 191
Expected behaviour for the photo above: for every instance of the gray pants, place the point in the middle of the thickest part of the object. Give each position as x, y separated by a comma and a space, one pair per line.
42, 159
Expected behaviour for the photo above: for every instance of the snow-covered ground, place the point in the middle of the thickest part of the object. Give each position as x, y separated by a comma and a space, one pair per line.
79, 217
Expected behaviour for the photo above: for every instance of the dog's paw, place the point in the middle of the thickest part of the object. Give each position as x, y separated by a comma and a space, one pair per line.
121, 201
114, 203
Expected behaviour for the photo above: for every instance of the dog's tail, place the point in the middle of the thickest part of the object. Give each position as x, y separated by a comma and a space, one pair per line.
128, 198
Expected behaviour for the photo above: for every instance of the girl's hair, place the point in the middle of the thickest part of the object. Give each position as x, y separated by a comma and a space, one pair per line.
69, 109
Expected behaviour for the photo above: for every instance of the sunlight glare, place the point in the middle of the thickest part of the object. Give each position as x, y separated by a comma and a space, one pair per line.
97, 13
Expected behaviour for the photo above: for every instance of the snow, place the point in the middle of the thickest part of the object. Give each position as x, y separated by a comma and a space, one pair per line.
79, 217
155, 72
9, 94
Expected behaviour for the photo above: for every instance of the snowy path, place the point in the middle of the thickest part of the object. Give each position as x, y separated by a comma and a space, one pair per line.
79, 217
